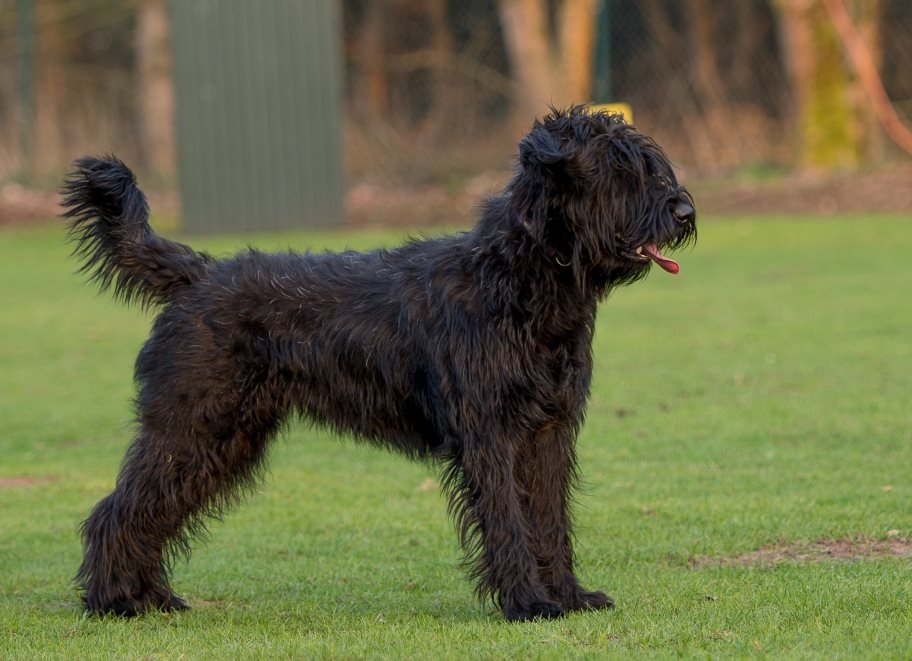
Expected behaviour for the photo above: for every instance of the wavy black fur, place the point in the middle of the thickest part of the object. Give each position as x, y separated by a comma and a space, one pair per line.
472, 350
109, 223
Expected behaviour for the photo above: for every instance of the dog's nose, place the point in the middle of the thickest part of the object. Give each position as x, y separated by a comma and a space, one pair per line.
684, 213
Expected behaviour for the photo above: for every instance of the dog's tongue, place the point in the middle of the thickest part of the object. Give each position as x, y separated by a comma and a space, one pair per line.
670, 265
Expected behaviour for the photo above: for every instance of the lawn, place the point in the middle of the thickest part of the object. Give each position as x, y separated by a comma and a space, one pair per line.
762, 397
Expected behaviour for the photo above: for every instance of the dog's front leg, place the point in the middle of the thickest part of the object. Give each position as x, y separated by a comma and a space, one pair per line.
494, 534
546, 468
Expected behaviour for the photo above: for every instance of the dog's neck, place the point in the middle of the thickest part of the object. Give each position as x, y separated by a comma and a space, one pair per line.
526, 277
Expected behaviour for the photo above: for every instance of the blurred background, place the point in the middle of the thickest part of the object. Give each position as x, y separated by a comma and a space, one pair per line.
408, 111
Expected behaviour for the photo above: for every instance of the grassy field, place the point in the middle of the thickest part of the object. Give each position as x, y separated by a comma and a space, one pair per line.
763, 397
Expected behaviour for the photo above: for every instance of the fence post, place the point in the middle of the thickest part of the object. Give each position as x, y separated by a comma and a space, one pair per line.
25, 38
601, 84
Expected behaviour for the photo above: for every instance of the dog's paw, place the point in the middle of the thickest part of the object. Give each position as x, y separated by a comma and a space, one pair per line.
545, 610
118, 607
136, 607
173, 604
583, 600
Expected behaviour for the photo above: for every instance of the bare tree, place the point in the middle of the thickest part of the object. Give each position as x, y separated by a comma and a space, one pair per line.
551, 59
864, 59
370, 54
716, 113
50, 88
156, 87
826, 115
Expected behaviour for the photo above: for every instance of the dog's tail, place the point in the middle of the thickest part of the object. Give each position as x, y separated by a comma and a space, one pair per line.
108, 219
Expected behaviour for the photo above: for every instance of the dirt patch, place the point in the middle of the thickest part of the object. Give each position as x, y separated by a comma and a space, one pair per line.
207, 603
876, 191
20, 481
384, 204
20, 205
806, 552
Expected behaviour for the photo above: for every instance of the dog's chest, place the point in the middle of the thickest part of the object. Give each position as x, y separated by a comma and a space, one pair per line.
562, 374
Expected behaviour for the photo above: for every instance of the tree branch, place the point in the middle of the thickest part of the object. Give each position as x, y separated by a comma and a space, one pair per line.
866, 69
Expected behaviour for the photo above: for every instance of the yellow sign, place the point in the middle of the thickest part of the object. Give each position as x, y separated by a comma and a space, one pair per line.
615, 108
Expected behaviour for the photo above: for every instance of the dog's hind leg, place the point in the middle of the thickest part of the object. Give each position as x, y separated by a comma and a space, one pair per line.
172, 477
124, 570
546, 471
494, 534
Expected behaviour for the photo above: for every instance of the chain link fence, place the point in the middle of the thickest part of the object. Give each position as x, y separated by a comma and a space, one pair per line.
429, 92
708, 80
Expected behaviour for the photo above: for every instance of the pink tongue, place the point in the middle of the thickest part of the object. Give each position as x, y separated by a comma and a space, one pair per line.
670, 265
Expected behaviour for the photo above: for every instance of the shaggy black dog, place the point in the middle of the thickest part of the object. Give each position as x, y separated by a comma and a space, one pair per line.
472, 350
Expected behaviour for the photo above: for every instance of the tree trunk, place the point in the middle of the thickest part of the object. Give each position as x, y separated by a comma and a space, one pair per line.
825, 115
371, 55
552, 66
577, 22
716, 112
442, 99
50, 149
156, 88
873, 145
526, 34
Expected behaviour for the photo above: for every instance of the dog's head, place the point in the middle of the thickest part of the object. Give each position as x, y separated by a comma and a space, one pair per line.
600, 196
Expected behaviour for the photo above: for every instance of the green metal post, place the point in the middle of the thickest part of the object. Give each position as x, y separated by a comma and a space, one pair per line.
602, 91
25, 28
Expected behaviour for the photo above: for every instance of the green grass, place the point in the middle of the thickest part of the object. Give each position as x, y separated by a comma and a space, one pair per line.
763, 395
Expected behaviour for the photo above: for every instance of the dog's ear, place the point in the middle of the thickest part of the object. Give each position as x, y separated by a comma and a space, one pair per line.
541, 151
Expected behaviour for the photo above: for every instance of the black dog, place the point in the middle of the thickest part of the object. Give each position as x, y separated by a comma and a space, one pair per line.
473, 350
